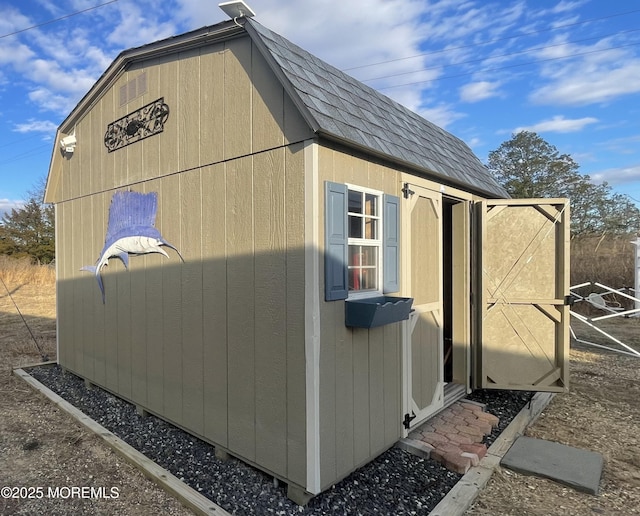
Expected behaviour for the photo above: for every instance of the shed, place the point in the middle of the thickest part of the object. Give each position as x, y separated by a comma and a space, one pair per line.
337, 269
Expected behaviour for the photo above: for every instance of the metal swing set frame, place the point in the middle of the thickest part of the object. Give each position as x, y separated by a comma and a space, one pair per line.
602, 301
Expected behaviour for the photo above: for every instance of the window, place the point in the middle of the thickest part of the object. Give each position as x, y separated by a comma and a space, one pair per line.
365, 240
361, 241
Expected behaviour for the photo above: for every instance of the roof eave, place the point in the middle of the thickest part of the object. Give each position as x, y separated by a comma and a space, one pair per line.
446, 180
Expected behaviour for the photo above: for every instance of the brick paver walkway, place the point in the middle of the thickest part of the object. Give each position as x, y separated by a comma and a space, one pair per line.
454, 436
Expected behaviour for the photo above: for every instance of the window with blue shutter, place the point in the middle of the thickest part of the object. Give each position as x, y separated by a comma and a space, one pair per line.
362, 242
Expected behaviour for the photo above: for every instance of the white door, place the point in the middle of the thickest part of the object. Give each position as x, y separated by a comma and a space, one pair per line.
423, 332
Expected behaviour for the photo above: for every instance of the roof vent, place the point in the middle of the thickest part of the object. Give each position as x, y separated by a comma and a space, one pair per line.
237, 9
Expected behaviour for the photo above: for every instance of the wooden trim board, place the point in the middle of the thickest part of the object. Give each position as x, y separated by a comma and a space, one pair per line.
462, 495
185, 494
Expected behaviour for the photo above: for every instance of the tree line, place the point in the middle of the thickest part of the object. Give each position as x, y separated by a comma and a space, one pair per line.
29, 232
526, 166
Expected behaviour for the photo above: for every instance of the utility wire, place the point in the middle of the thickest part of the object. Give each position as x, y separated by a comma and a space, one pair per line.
45, 358
508, 66
58, 19
510, 54
472, 45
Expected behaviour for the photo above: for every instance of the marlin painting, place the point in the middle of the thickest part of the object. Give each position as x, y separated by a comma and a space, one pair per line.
130, 231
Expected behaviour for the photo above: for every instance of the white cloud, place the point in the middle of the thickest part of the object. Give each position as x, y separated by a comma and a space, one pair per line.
616, 176
39, 126
6, 205
442, 115
582, 75
558, 124
477, 91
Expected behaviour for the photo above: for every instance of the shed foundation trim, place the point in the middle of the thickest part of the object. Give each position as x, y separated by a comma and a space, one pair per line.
187, 496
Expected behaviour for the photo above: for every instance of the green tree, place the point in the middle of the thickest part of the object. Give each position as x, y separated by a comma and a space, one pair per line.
529, 167
29, 231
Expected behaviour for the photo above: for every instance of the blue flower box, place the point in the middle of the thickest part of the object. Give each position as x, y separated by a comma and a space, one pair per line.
376, 311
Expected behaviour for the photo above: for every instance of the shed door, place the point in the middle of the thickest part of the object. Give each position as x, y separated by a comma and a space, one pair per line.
424, 372
523, 323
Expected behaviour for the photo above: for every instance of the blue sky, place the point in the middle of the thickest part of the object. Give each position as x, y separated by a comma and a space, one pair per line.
568, 70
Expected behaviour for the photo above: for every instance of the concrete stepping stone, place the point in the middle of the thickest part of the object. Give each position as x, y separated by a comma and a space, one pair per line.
576, 468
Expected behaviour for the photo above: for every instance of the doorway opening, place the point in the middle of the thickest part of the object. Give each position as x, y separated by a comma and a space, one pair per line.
455, 297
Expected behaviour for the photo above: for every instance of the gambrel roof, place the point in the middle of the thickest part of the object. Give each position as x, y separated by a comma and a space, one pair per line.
335, 105
340, 107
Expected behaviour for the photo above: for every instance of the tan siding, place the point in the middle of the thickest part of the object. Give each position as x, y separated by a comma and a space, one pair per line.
392, 364
87, 285
237, 99
268, 108
212, 129
169, 227
241, 308
76, 263
155, 330
191, 309
65, 285
214, 303
377, 385
361, 402
270, 313
215, 344
224, 103
360, 370
169, 139
151, 147
138, 332
188, 110
100, 206
295, 337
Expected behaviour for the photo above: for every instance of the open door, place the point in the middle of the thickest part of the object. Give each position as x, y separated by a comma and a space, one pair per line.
423, 332
522, 339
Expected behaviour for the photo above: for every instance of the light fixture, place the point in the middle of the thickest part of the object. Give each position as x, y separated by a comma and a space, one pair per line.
68, 144
237, 9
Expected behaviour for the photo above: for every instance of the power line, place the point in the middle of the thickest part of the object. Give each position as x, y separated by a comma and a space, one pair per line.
508, 66
57, 19
479, 60
472, 45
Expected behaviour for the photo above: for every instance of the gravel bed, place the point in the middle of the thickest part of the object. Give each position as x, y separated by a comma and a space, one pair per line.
395, 483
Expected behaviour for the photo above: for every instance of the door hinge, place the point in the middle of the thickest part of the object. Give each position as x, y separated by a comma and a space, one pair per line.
406, 191
408, 418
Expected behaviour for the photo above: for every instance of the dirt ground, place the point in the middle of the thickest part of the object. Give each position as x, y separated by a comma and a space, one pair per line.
40, 446
601, 413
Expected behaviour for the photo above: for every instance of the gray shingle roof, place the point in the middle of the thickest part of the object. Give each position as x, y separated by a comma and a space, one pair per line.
338, 106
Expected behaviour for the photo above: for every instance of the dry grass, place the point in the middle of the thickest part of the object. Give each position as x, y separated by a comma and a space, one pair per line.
23, 272
609, 260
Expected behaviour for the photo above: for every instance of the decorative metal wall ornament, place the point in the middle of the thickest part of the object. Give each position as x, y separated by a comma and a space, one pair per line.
136, 126
130, 231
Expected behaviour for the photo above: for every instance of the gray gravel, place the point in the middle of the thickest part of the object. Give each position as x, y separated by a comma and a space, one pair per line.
396, 483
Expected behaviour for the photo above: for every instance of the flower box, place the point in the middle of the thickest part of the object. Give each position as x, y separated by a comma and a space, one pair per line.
376, 311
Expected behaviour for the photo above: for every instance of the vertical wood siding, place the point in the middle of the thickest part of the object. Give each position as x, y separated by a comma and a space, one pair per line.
360, 369
215, 344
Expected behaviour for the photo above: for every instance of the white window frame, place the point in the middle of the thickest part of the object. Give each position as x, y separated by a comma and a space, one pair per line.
378, 242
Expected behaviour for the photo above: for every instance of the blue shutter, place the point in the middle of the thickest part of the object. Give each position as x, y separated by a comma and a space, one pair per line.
336, 244
391, 244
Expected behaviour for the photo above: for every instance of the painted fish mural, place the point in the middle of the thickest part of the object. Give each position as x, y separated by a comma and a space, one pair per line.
130, 231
